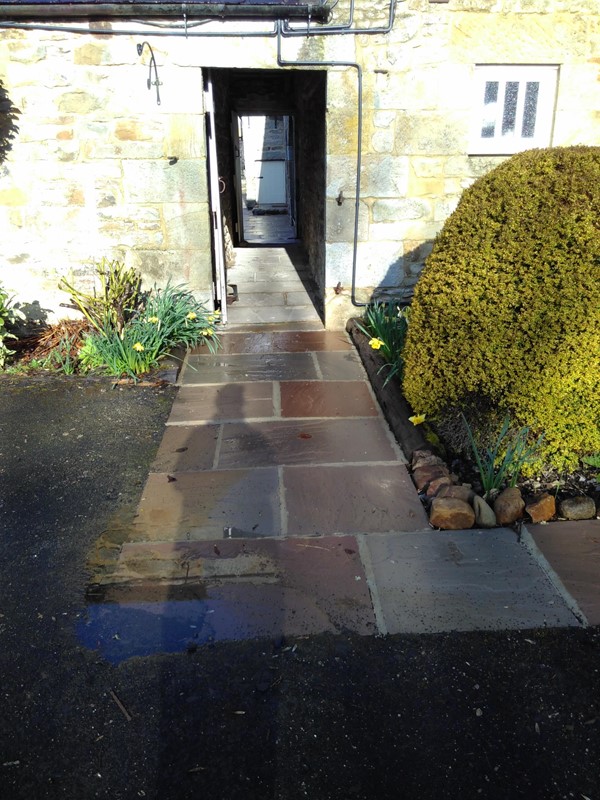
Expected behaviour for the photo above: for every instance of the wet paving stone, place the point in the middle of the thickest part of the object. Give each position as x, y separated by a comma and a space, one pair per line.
201, 505
216, 403
436, 581
233, 368
243, 590
573, 551
283, 342
326, 399
312, 341
186, 448
305, 442
340, 366
324, 500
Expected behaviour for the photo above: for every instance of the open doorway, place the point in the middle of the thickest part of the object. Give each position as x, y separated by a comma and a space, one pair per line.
265, 178
269, 159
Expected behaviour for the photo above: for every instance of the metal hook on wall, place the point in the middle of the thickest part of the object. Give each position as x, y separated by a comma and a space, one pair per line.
150, 83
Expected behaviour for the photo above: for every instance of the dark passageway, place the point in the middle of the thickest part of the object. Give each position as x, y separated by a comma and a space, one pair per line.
270, 132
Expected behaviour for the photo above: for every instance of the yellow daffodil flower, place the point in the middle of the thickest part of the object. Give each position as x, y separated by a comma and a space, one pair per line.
154, 320
139, 347
417, 419
191, 315
376, 343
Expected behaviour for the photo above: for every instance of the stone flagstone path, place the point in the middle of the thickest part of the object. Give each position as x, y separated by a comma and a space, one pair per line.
279, 504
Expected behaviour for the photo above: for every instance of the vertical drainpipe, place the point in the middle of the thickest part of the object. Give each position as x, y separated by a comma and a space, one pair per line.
341, 30
358, 68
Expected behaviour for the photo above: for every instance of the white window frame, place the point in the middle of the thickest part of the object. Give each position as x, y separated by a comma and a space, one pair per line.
495, 112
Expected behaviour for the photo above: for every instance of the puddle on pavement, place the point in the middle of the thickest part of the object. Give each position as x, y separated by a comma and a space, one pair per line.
123, 630
163, 613
149, 597
146, 598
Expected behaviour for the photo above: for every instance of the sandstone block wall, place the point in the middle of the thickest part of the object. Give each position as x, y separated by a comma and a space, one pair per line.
90, 172
98, 168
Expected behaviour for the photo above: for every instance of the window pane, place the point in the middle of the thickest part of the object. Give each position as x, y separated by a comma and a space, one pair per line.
510, 108
530, 109
490, 98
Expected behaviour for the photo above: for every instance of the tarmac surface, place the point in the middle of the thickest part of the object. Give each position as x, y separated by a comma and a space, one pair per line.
374, 661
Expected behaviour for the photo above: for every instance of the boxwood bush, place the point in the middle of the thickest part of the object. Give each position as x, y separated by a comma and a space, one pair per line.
506, 313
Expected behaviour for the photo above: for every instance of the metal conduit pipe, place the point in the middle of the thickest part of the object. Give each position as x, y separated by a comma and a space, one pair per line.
342, 30
176, 32
353, 65
285, 31
332, 28
186, 29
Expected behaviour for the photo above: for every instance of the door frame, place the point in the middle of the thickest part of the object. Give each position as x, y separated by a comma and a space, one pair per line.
290, 164
216, 216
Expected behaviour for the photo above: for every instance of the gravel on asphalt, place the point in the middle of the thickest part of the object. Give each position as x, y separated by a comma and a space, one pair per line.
481, 715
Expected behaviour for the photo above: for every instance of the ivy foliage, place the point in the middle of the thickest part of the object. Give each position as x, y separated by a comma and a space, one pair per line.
507, 309
8, 122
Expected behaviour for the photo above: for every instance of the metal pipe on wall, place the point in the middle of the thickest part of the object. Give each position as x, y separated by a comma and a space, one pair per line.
281, 29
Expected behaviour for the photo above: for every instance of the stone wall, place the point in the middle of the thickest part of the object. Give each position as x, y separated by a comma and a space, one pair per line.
98, 168
90, 173
417, 108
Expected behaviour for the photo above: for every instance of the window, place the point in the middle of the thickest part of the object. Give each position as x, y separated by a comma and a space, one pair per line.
514, 108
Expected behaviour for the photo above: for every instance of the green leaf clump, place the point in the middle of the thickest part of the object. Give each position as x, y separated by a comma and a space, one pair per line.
507, 308
113, 302
386, 323
8, 317
169, 318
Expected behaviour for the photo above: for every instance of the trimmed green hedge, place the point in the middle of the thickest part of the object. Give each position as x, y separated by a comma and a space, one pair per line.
507, 308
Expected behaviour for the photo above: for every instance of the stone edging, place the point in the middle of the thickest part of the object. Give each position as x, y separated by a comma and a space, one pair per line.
393, 403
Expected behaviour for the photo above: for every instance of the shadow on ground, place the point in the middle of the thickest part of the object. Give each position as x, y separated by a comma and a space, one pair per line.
494, 715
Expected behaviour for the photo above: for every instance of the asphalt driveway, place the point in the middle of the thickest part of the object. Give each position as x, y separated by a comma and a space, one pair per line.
494, 715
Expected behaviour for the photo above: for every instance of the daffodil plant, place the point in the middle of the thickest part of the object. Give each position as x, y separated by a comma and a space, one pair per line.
500, 464
8, 316
386, 325
170, 318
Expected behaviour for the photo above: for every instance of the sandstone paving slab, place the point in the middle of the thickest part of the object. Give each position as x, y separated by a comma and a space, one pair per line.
278, 342
190, 447
340, 366
288, 285
295, 297
305, 442
248, 278
573, 551
351, 499
235, 367
261, 296
222, 402
311, 341
326, 399
461, 580
239, 590
245, 311
201, 505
